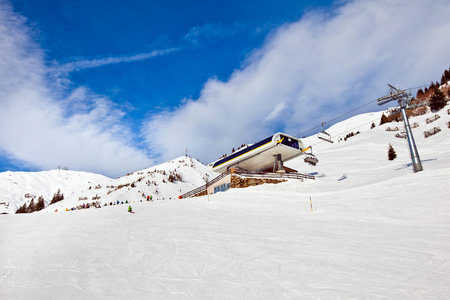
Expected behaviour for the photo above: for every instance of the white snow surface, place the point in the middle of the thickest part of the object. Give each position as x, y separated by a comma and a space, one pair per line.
377, 230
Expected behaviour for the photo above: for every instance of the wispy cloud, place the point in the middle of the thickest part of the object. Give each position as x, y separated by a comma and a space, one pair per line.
211, 32
40, 126
318, 67
197, 35
94, 63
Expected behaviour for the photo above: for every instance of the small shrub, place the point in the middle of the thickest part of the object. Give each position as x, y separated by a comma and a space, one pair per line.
391, 153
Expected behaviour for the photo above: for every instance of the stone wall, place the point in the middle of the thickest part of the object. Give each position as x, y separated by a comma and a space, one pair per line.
238, 182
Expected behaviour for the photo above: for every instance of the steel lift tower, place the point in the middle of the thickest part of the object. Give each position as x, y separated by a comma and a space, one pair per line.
404, 98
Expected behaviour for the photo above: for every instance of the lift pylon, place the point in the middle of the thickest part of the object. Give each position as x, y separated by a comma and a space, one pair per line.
404, 98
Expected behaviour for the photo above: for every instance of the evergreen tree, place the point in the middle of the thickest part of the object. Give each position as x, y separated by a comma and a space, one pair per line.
373, 125
31, 207
391, 153
384, 119
446, 76
437, 101
57, 197
432, 86
40, 204
443, 78
22, 209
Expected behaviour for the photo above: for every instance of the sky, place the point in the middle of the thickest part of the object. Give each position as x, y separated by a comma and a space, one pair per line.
113, 87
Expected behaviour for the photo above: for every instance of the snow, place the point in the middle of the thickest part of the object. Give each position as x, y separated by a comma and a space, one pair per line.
377, 230
15, 185
92, 187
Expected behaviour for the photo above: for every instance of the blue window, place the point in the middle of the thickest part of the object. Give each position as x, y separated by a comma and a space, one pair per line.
222, 188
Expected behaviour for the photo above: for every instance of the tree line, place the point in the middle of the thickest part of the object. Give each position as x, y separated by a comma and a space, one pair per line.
39, 204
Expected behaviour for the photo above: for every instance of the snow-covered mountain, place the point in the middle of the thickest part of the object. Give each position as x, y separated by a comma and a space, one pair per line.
366, 227
17, 188
166, 181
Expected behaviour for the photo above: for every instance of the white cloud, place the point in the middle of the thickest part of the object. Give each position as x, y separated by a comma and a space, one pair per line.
323, 65
42, 128
279, 107
94, 63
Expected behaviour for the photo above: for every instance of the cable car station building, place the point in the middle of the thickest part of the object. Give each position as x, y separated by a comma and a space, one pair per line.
262, 162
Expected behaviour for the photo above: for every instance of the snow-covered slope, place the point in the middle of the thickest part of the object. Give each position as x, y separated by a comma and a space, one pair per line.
81, 188
377, 230
17, 188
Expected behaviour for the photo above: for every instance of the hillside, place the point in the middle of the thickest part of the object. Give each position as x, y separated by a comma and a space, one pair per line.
377, 230
165, 181
17, 188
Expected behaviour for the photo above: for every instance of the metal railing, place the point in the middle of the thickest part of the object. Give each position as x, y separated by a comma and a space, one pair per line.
275, 175
246, 174
205, 186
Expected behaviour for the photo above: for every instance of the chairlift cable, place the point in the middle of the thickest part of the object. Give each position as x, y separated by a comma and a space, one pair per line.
336, 118
336, 135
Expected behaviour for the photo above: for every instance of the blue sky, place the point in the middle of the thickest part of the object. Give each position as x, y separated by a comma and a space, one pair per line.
113, 86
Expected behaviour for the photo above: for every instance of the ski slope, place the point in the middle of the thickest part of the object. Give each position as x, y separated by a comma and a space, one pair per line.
377, 230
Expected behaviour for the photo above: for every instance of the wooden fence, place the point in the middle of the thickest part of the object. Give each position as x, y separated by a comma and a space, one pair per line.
432, 119
431, 132
392, 128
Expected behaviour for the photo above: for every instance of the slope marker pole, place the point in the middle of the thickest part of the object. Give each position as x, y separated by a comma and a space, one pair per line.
310, 202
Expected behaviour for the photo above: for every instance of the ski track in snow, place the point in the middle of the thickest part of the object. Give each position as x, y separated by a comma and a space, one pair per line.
380, 232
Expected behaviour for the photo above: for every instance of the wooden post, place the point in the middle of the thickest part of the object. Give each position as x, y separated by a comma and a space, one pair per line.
207, 181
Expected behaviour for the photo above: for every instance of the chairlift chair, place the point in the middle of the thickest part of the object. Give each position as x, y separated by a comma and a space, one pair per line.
310, 158
323, 135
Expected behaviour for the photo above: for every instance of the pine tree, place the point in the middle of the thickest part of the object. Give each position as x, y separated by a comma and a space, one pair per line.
57, 197
437, 101
40, 204
31, 207
22, 209
446, 76
391, 153
443, 78
432, 86
373, 125
384, 119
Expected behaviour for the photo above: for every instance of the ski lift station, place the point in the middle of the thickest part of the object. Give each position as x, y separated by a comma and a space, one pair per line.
263, 160
265, 155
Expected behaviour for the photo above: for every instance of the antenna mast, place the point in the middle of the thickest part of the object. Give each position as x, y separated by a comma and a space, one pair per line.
404, 98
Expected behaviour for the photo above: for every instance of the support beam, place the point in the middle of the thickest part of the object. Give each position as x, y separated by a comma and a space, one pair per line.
403, 99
